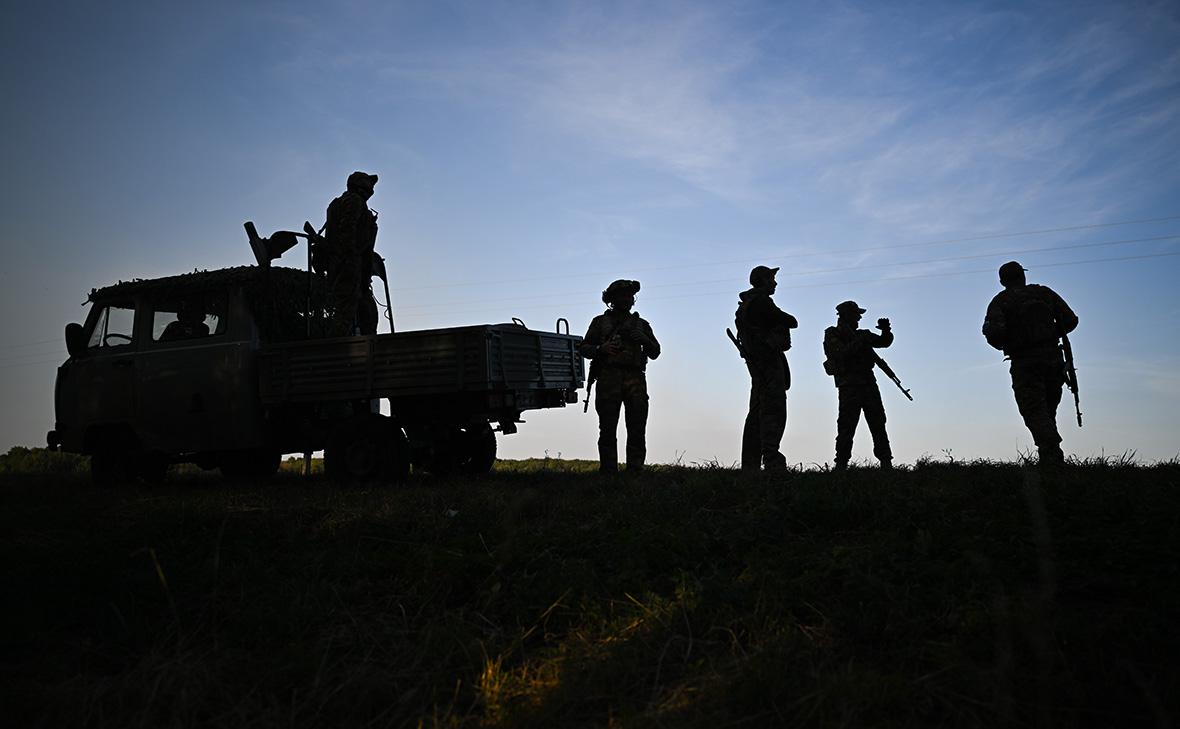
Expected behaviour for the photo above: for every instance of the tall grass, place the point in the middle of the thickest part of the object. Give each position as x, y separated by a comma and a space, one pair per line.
545, 595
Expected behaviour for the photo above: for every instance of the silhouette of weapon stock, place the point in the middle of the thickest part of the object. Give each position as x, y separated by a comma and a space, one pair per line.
591, 378
1071, 375
891, 375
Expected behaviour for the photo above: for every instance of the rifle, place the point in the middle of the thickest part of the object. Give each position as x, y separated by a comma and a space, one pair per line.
1071, 375
591, 378
736, 342
891, 375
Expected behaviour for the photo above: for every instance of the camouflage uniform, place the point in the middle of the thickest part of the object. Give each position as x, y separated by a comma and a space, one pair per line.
622, 383
764, 331
1026, 322
351, 234
850, 360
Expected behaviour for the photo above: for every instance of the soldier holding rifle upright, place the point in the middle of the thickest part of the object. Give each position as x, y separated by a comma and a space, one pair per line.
619, 343
764, 336
1027, 322
850, 360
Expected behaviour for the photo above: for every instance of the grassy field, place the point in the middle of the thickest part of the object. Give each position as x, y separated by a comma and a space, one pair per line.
964, 595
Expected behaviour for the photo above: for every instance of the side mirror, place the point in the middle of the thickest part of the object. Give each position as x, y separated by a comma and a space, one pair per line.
75, 339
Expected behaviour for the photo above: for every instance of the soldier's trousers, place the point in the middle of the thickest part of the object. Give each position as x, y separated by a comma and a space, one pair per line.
855, 399
621, 389
1037, 384
344, 288
767, 418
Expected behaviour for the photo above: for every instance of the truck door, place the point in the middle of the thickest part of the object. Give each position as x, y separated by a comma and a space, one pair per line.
191, 375
105, 376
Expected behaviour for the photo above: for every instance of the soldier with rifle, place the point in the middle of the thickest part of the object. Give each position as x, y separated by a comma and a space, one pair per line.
351, 233
1030, 324
764, 336
618, 344
850, 360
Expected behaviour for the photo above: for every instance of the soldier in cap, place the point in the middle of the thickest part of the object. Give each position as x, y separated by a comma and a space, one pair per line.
351, 233
619, 343
764, 333
1026, 322
850, 360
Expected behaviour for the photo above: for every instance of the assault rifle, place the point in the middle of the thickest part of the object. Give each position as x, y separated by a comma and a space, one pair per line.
1071, 375
891, 375
736, 342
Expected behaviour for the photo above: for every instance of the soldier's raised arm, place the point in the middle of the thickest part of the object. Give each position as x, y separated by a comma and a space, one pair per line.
882, 340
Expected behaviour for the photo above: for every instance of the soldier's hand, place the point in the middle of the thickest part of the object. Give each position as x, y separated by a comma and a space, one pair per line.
883, 323
611, 348
637, 336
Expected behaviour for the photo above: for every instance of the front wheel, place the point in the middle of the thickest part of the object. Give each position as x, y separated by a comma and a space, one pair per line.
477, 449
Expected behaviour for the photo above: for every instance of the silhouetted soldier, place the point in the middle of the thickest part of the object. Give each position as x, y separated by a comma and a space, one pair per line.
764, 331
850, 360
1026, 321
620, 343
189, 324
351, 233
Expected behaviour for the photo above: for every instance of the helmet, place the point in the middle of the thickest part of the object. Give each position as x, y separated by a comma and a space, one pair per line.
848, 308
623, 287
761, 274
1012, 272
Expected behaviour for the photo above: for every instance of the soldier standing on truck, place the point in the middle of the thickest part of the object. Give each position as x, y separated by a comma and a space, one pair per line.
1027, 321
764, 336
619, 343
351, 233
850, 360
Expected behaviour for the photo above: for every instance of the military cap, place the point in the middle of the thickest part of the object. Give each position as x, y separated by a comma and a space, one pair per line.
623, 286
762, 273
845, 308
362, 179
1011, 271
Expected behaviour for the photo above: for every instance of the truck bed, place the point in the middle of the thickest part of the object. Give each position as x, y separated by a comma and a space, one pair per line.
485, 359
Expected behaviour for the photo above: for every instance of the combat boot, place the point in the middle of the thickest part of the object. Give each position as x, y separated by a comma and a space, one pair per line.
886, 464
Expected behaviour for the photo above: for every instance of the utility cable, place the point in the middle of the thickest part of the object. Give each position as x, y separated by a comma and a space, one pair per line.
807, 254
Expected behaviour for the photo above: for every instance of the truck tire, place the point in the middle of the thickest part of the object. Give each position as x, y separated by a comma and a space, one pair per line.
477, 452
366, 448
255, 463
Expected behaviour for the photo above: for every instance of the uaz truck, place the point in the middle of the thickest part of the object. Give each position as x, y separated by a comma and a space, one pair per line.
230, 369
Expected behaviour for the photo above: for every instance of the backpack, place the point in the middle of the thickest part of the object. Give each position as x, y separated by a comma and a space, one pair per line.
1031, 321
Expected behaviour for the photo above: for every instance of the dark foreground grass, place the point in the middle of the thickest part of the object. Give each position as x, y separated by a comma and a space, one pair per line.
954, 595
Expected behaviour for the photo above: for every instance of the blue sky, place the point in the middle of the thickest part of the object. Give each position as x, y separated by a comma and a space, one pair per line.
530, 153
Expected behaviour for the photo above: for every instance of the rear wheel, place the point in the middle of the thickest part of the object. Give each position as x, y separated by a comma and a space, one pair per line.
477, 449
367, 447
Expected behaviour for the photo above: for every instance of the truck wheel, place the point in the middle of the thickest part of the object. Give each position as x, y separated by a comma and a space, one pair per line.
477, 450
256, 463
368, 447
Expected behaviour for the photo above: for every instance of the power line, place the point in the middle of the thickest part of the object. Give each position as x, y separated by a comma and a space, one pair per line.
808, 254
886, 264
941, 274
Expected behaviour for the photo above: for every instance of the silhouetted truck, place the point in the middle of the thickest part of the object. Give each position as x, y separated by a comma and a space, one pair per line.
229, 369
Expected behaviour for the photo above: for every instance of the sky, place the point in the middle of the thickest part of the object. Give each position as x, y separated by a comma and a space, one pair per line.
530, 153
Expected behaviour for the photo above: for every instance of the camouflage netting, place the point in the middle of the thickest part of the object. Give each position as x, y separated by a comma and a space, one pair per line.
277, 296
